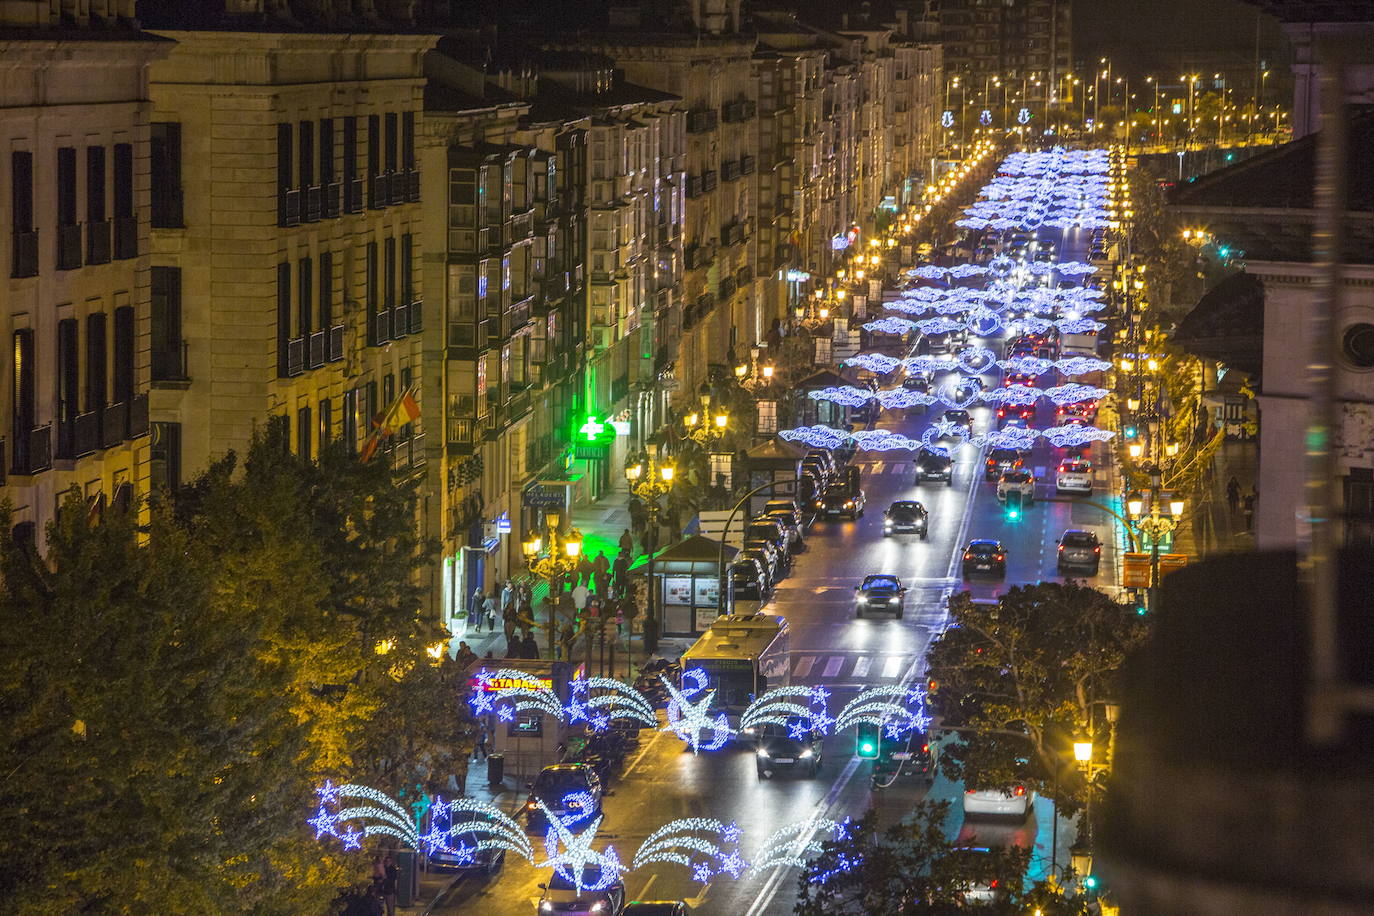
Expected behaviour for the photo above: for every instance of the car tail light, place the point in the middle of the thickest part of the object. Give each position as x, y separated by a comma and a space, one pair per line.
1061, 548
1020, 790
925, 749
968, 556
1097, 549
1001, 556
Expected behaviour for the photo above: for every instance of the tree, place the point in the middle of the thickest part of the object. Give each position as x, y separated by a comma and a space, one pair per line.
910, 867
1019, 679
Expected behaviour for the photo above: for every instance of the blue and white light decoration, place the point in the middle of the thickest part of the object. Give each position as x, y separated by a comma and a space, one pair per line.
598, 701
883, 440
845, 395
985, 117
975, 360
1023, 116
1013, 396
570, 852
891, 325
689, 713
900, 398
801, 709
1014, 437
793, 845
930, 363
1026, 365
940, 325
1078, 325
481, 826
1080, 365
874, 362
1074, 393
960, 396
947, 119
506, 702
1075, 436
704, 846
896, 709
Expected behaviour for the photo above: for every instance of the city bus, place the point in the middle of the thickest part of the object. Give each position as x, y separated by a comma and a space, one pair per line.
742, 656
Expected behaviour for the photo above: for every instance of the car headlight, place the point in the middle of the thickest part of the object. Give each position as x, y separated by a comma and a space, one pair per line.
849, 504
763, 752
599, 906
750, 731
806, 753
863, 599
546, 907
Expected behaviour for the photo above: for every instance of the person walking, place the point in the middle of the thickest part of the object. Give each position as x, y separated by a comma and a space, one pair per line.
525, 609
584, 572
475, 607
480, 747
530, 648
489, 611
460, 775
508, 615
1233, 494
620, 571
1248, 503
390, 884
627, 543
565, 641
507, 594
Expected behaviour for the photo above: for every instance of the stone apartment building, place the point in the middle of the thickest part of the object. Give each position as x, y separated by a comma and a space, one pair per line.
286, 242
74, 127
1011, 39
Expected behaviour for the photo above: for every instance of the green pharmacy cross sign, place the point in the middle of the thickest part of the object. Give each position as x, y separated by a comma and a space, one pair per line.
593, 440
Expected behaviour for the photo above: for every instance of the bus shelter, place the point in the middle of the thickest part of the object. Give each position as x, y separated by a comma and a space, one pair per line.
687, 579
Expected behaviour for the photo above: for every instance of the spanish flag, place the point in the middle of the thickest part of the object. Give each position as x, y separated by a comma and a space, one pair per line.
404, 410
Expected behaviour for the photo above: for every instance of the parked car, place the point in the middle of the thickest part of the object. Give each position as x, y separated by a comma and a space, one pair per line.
983, 555
792, 745
880, 593
1080, 550
556, 787
749, 580
785, 512
764, 528
1013, 801
463, 853
906, 516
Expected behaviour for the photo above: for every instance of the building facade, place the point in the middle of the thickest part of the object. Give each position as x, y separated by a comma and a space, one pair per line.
74, 126
1011, 39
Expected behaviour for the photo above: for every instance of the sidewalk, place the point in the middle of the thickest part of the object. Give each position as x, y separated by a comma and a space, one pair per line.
1215, 528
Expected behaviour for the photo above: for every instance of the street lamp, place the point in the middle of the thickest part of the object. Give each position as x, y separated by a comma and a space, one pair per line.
649, 481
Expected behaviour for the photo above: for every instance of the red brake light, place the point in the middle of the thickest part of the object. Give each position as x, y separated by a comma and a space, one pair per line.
968, 556
992, 883
1097, 549
1001, 556
1020, 790
925, 749
1061, 548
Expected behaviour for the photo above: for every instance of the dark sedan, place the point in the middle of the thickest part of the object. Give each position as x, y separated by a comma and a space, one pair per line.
906, 516
880, 593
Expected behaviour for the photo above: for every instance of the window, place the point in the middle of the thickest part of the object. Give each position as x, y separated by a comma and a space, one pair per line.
305, 297
408, 140
326, 289
165, 162
164, 458
24, 395
284, 157
374, 156
167, 351
391, 141
1359, 507
407, 253
126, 225
370, 408
283, 319
389, 282
124, 354
68, 380
307, 154
95, 204
326, 423
96, 365
327, 173
372, 279
352, 202
388, 391
350, 420
24, 261
407, 378
305, 430
68, 231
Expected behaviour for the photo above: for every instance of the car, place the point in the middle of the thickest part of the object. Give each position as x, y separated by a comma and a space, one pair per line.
959, 418
1002, 459
785, 512
880, 593
910, 753
931, 465
749, 580
1080, 550
561, 894
1013, 801
817, 469
655, 908
765, 558
974, 382
1016, 415
556, 787
1075, 475
840, 500
763, 528
916, 382
906, 516
985, 555
463, 852
1019, 480
827, 460
791, 745
1019, 378
1081, 414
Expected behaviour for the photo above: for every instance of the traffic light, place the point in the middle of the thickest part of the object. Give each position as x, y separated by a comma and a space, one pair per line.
1130, 432
1013, 505
867, 744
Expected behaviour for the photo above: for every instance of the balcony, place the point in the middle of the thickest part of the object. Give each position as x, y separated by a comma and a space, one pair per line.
708, 180
731, 234
521, 226
353, 195
86, 434
98, 242
416, 316
33, 450
170, 365
377, 192
138, 417
695, 256
729, 170
314, 205
379, 328
747, 165
329, 199
336, 341
25, 254
726, 288
739, 110
114, 419
694, 188
396, 188
69, 247
288, 207
412, 186
744, 276
125, 237
316, 350
400, 324
701, 120
291, 358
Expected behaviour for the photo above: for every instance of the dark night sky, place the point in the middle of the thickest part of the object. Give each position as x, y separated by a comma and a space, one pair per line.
1158, 35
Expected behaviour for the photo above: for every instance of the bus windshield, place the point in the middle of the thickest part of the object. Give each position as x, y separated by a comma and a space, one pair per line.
732, 680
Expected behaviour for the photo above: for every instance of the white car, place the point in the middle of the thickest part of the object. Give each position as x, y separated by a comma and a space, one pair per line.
1014, 801
1016, 479
1075, 476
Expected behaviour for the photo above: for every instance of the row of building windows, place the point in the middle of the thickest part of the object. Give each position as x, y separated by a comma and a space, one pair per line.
310, 186
109, 191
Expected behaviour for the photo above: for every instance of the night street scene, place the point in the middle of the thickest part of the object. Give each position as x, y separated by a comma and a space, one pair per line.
666, 457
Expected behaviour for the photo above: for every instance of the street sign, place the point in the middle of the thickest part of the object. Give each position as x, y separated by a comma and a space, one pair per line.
1135, 570
1169, 562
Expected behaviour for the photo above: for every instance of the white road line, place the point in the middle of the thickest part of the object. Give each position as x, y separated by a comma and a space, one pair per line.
892, 665
644, 891
804, 666
877, 467
898, 468
640, 756
832, 667
862, 665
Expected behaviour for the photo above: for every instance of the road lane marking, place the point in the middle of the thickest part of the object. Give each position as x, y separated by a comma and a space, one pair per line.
832, 667
640, 756
644, 891
892, 665
804, 666
862, 665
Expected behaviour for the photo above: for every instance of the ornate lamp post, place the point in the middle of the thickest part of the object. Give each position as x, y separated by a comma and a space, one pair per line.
650, 481
1152, 523
556, 565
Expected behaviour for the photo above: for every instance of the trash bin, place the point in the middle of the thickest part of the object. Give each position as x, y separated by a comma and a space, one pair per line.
496, 769
409, 882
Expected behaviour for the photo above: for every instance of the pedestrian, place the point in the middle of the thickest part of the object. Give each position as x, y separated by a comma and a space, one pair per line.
627, 543
601, 566
526, 610
460, 774
530, 647
373, 901
507, 594
1233, 494
378, 871
620, 570
508, 615
480, 747
475, 607
602, 583
1249, 505
391, 884
489, 611
465, 655
565, 641
579, 597
584, 571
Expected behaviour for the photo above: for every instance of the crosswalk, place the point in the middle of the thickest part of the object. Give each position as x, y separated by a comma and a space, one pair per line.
819, 666
874, 468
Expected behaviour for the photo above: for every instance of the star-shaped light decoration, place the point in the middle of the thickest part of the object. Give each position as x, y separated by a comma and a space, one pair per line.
328, 793
352, 839
506, 714
688, 719
733, 864
702, 874
731, 833
323, 822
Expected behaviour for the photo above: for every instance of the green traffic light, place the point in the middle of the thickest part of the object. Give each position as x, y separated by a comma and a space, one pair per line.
865, 749
1130, 432
1013, 514
1090, 882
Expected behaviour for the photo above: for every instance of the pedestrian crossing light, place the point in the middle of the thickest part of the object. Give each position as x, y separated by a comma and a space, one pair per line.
867, 745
